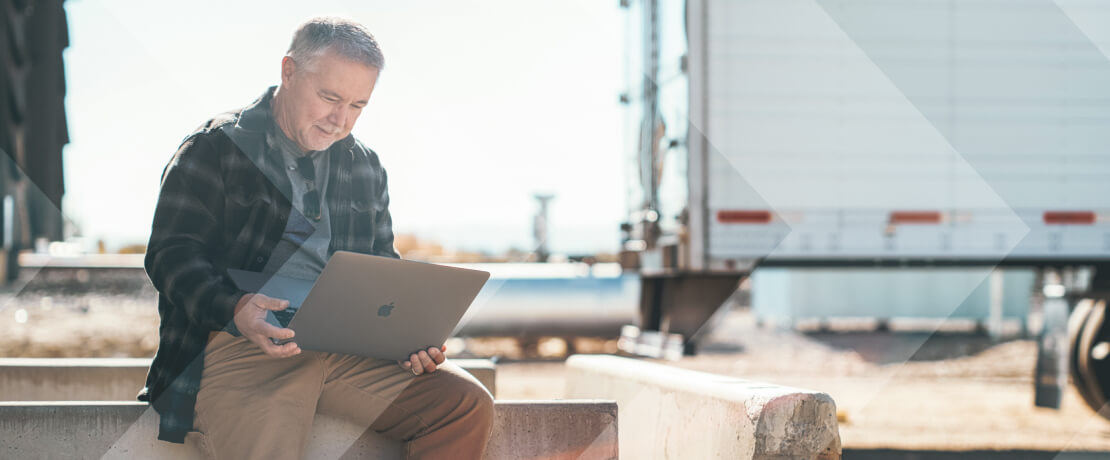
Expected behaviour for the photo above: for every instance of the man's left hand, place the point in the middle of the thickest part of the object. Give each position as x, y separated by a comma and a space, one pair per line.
425, 360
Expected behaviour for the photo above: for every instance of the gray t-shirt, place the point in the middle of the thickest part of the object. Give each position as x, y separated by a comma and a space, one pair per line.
302, 251
304, 243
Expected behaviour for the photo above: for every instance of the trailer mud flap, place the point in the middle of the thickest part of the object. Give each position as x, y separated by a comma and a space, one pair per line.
681, 304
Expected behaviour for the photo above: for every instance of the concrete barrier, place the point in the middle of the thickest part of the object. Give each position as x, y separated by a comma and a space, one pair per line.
522, 429
668, 412
118, 379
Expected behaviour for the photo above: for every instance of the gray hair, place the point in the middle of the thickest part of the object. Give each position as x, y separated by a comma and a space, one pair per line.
346, 38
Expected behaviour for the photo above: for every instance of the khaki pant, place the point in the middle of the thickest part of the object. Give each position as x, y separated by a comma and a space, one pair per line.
253, 406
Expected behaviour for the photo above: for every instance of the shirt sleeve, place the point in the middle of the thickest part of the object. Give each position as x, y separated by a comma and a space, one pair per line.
383, 224
186, 236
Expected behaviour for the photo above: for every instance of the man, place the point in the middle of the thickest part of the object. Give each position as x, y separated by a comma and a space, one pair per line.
278, 187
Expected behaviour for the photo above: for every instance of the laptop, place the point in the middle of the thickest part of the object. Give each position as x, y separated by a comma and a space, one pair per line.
372, 306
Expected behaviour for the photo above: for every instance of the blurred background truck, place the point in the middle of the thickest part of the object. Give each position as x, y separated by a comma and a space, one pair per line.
837, 134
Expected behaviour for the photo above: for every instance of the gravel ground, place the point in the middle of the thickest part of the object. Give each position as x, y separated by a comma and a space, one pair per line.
887, 396
33, 325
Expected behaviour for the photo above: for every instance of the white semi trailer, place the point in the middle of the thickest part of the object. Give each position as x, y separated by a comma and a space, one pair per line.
865, 133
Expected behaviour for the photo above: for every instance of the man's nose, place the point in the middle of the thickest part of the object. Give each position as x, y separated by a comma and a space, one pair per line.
338, 116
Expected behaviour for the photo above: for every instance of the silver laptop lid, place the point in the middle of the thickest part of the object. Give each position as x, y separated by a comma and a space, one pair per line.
383, 307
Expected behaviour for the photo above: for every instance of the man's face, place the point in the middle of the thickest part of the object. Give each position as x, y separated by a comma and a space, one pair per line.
322, 100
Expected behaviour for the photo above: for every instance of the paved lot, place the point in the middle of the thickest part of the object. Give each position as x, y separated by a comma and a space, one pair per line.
889, 396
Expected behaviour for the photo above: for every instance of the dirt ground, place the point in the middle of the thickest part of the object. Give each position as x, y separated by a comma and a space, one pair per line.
981, 401
893, 390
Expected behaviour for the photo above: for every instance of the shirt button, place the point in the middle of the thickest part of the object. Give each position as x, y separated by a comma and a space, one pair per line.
259, 259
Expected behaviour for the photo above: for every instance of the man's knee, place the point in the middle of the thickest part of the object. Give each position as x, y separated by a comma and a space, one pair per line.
478, 403
483, 403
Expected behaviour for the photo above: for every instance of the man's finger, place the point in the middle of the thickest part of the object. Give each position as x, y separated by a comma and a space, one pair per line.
417, 368
277, 332
426, 362
265, 344
437, 356
269, 303
273, 304
289, 349
280, 351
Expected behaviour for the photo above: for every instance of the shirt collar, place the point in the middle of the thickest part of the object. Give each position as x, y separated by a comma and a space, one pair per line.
256, 116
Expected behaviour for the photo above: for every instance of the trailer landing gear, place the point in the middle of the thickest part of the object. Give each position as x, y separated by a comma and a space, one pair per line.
679, 305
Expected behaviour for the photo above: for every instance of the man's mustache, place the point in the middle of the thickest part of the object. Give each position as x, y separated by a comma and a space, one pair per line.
330, 130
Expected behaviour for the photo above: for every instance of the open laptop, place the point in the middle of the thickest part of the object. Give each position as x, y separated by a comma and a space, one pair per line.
372, 306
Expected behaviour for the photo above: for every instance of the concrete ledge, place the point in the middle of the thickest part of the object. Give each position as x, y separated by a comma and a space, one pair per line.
668, 412
118, 379
522, 429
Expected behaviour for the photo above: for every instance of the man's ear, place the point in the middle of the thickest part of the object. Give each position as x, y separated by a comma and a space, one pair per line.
288, 68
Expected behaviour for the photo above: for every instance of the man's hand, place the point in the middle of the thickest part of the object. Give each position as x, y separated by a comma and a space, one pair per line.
250, 318
425, 360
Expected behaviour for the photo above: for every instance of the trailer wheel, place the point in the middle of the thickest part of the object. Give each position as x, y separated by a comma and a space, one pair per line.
1076, 323
1094, 360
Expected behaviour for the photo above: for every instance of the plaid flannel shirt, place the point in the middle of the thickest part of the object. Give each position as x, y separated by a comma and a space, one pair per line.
224, 202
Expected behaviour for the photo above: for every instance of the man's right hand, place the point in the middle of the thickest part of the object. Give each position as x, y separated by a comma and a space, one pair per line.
250, 318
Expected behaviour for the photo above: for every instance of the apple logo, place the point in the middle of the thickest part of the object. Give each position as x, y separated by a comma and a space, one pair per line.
385, 310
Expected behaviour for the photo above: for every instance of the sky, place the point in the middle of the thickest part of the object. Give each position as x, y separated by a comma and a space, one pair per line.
481, 105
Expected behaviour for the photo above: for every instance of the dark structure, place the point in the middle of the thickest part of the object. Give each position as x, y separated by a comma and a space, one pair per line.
33, 131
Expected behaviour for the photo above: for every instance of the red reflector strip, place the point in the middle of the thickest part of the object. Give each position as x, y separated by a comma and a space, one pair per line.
744, 217
915, 217
1069, 217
